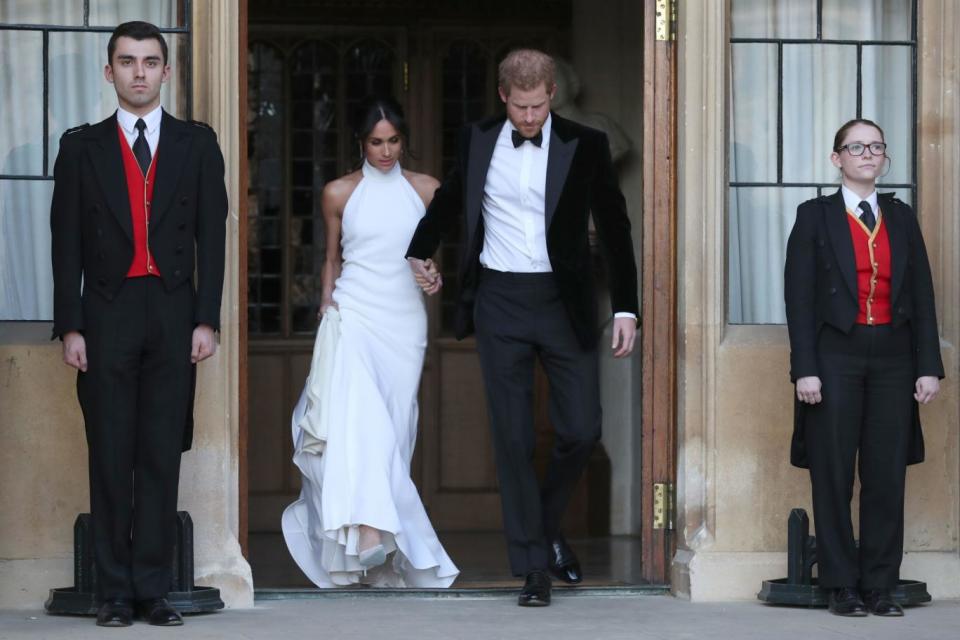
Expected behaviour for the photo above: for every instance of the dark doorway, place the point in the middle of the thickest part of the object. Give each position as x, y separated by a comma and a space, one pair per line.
308, 65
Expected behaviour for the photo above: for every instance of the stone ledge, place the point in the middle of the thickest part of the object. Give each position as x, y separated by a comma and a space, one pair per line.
730, 575
26, 583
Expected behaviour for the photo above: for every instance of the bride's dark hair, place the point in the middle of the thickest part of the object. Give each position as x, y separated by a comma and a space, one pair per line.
374, 109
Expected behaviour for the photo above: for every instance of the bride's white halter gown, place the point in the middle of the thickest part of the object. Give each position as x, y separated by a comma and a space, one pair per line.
356, 469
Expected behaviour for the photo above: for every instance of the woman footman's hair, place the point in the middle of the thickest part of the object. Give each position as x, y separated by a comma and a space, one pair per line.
842, 131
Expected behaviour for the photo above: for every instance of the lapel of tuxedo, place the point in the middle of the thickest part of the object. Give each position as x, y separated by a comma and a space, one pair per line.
482, 143
562, 146
896, 234
172, 148
838, 228
105, 154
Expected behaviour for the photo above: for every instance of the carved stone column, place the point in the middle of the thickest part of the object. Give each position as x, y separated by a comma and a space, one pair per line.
209, 478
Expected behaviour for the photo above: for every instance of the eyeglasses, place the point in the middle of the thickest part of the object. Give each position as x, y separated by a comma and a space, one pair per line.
856, 149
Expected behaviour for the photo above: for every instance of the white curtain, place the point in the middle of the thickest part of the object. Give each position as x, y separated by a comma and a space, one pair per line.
77, 93
819, 94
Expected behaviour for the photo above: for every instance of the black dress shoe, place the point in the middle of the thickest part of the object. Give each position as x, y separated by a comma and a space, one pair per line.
158, 612
846, 601
563, 562
117, 612
536, 590
879, 602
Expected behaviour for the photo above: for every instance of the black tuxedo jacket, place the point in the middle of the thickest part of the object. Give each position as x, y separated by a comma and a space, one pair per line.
580, 180
91, 227
820, 287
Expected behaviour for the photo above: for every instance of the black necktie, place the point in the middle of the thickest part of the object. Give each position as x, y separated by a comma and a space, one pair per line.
867, 216
141, 150
518, 138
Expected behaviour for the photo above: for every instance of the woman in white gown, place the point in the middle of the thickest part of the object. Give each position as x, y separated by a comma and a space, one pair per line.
359, 518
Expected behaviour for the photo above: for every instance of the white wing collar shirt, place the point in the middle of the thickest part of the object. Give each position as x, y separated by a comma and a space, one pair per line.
514, 207
128, 122
515, 237
852, 201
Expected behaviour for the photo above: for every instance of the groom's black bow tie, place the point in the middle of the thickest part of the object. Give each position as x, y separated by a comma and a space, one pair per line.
518, 138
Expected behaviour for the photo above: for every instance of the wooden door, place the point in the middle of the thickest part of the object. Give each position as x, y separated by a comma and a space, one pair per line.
659, 289
442, 68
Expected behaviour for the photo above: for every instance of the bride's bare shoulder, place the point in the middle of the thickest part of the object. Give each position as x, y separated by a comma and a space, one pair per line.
337, 192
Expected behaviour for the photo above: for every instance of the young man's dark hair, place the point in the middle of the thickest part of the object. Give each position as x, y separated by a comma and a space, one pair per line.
137, 30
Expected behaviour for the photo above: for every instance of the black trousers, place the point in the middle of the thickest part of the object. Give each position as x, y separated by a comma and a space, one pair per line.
135, 397
520, 317
867, 408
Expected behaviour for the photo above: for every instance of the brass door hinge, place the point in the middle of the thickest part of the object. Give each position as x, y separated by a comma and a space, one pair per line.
666, 25
663, 505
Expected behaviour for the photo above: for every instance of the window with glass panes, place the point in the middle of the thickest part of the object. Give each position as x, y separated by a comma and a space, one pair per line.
799, 70
301, 95
52, 54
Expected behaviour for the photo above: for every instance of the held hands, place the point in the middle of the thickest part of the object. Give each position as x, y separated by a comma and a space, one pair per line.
808, 389
75, 350
624, 335
324, 305
204, 343
426, 274
927, 389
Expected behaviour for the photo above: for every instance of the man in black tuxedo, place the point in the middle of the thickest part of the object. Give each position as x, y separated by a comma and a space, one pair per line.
527, 183
139, 204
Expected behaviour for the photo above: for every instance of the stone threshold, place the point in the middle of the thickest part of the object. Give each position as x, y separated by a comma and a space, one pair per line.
265, 595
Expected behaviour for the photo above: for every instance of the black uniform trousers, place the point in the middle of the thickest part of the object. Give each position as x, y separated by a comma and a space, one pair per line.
520, 317
135, 398
867, 407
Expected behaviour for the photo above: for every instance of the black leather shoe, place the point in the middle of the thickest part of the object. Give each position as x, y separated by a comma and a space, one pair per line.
536, 590
117, 612
846, 601
563, 562
158, 612
879, 602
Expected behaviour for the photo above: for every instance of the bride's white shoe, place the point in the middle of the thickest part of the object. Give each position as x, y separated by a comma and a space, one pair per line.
373, 557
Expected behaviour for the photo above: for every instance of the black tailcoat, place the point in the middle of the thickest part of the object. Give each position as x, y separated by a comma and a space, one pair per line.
820, 288
137, 392
92, 231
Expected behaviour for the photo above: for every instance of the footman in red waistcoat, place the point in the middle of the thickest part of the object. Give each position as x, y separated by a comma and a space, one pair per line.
864, 351
139, 208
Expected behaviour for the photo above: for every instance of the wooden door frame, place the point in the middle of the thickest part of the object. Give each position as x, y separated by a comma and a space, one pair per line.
659, 293
242, 468
659, 290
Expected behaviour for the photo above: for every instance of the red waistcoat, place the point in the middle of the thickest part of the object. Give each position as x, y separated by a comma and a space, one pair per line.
872, 253
140, 192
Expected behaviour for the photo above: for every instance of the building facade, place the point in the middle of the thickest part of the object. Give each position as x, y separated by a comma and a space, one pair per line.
724, 119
